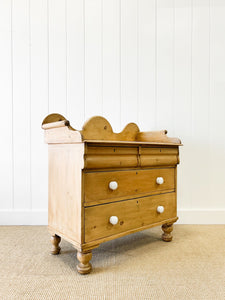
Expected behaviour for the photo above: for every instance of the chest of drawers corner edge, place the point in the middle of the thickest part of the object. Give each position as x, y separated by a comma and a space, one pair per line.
105, 185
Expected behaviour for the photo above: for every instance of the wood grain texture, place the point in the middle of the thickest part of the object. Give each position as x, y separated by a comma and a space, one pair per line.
130, 183
95, 244
65, 190
179, 84
134, 154
157, 136
132, 214
84, 267
167, 229
58, 130
98, 128
82, 200
55, 240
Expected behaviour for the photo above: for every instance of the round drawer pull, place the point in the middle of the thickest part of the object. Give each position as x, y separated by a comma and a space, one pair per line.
160, 209
113, 220
113, 185
159, 180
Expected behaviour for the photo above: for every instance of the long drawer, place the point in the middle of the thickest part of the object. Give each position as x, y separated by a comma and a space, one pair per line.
99, 186
131, 214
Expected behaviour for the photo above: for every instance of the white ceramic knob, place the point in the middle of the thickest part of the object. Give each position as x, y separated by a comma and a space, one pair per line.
113, 185
160, 209
159, 180
113, 220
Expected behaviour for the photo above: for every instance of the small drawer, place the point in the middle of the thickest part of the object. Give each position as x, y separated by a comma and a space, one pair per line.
101, 187
110, 157
114, 218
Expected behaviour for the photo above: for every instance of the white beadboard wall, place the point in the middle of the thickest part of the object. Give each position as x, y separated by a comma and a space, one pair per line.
160, 63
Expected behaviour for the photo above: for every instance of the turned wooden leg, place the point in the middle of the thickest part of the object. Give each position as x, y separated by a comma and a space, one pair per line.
55, 240
84, 267
167, 229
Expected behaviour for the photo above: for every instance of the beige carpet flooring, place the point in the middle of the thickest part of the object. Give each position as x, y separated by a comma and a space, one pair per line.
138, 266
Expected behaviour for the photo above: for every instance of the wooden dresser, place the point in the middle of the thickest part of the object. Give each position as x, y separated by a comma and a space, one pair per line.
104, 185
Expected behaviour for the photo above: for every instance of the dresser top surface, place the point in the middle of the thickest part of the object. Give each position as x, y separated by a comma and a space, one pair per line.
98, 130
135, 143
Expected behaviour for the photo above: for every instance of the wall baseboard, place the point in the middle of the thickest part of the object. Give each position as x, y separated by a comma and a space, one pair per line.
201, 216
40, 217
23, 217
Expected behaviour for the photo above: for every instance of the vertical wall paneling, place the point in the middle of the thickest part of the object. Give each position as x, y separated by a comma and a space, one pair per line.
57, 56
6, 162
39, 101
165, 65
21, 103
75, 61
159, 63
111, 61
146, 64
93, 58
200, 101
129, 61
182, 94
217, 103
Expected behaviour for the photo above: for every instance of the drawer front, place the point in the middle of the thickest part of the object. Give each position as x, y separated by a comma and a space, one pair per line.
98, 156
159, 156
131, 214
105, 157
129, 184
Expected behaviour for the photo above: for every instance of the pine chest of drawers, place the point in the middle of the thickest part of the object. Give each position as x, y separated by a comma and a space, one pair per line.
104, 185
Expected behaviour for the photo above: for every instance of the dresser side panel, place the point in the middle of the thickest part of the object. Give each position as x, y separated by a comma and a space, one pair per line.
65, 190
